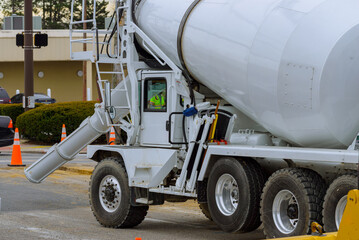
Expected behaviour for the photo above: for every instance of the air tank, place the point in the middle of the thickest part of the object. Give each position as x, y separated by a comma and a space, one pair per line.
290, 65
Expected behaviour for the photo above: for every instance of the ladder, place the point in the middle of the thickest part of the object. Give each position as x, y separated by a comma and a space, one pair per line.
121, 51
98, 40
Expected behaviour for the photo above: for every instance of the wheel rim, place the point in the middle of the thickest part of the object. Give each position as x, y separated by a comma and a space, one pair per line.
339, 210
110, 193
227, 194
285, 211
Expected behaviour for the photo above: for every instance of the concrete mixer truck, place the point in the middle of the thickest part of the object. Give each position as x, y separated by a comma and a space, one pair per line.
280, 147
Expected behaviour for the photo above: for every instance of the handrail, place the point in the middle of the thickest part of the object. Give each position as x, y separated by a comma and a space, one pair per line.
97, 46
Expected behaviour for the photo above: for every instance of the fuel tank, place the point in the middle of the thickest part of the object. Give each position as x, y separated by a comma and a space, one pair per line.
290, 65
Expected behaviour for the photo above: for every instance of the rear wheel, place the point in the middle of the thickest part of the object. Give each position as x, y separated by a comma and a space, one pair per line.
110, 196
233, 194
335, 201
291, 201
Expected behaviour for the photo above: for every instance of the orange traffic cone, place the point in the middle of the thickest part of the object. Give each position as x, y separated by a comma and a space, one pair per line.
112, 139
10, 124
16, 160
63, 133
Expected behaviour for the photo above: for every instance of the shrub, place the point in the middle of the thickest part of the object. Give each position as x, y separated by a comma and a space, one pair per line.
13, 110
44, 123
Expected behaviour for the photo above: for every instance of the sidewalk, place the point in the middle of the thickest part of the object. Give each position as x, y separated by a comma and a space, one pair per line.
28, 147
83, 167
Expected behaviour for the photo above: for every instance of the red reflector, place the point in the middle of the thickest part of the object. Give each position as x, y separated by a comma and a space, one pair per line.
10, 124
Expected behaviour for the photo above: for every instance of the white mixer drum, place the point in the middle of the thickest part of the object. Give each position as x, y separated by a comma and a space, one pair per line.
292, 66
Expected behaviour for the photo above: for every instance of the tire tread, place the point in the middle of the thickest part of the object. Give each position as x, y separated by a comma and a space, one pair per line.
328, 223
134, 215
314, 186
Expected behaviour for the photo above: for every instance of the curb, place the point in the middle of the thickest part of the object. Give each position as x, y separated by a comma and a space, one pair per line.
42, 151
76, 170
66, 169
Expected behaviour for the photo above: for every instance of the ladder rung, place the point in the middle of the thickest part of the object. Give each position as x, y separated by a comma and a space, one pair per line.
82, 40
108, 60
107, 72
79, 22
122, 107
90, 31
119, 90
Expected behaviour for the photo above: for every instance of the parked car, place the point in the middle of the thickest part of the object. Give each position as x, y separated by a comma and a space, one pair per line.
4, 97
39, 98
6, 131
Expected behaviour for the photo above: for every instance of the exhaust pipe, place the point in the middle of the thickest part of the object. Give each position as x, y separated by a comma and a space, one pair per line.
89, 130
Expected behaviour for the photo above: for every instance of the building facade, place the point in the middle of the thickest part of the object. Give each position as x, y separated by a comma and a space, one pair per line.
53, 68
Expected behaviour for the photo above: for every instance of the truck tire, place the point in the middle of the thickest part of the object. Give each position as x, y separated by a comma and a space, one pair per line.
292, 199
110, 196
335, 201
233, 194
205, 210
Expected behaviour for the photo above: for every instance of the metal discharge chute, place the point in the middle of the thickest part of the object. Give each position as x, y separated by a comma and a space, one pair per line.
89, 130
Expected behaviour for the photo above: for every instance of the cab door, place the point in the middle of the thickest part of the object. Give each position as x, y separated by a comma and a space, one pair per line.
155, 110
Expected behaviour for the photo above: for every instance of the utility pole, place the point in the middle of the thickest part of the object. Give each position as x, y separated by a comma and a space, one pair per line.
84, 63
28, 53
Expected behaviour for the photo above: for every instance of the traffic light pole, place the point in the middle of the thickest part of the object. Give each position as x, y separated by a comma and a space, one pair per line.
28, 53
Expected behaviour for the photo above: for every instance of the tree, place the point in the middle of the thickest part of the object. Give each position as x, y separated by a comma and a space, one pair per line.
101, 12
56, 14
10, 7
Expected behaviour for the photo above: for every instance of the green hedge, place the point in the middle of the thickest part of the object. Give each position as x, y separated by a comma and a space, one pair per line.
13, 110
44, 123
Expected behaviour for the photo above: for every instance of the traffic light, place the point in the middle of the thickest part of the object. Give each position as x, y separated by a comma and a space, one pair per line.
40, 39
20, 40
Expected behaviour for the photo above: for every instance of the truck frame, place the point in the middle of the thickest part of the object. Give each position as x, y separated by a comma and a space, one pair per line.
240, 175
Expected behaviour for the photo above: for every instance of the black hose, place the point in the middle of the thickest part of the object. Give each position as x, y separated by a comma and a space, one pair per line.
112, 33
113, 15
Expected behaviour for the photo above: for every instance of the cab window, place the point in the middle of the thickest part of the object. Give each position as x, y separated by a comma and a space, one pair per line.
155, 95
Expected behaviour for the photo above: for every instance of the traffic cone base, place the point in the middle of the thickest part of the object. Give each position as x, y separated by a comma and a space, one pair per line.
16, 159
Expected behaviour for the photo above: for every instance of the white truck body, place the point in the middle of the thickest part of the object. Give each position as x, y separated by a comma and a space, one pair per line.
287, 68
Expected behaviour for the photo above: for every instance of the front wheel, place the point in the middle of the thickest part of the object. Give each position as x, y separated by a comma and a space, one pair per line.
291, 200
110, 196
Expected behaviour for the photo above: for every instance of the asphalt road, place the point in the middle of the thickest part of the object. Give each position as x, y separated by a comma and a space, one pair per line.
58, 208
